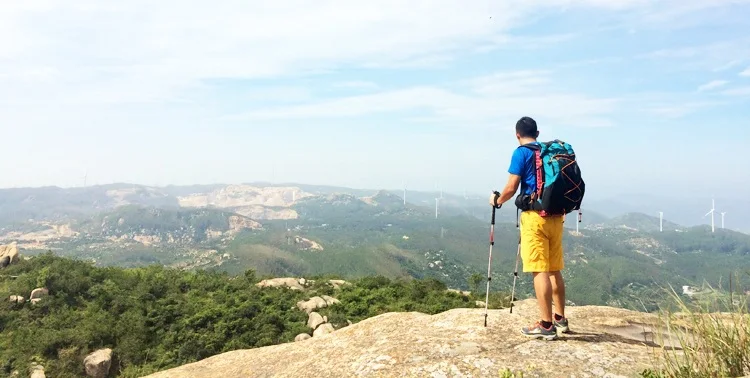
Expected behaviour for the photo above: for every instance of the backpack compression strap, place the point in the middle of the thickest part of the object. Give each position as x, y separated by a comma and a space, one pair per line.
538, 164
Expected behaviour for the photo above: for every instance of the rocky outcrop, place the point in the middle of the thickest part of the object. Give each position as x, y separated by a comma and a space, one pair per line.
237, 224
307, 244
292, 283
315, 303
338, 283
97, 364
251, 201
604, 342
17, 299
8, 254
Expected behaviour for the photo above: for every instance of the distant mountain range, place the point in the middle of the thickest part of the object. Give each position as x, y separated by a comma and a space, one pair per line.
303, 230
44, 203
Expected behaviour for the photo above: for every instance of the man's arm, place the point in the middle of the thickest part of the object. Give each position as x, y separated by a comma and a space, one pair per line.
511, 187
514, 180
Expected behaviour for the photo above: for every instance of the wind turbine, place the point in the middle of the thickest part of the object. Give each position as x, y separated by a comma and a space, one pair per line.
661, 221
722, 219
436, 207
404, 193
713, 207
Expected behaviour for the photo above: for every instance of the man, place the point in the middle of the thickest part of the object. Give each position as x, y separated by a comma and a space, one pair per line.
541, 238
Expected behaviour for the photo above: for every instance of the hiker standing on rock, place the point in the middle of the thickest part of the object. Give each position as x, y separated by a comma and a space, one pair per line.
546, 196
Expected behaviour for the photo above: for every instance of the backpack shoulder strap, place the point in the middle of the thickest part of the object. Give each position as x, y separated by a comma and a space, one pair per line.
532, 146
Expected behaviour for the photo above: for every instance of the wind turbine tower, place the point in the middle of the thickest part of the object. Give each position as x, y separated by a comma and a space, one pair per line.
436, 207
713, 207
661, 221
722, 219
404, 194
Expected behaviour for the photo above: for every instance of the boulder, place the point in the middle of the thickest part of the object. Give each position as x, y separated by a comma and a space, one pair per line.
330, 300
11, 252
312, 304
97, 364
302, 337
39, 293
314, 320
323, 329
337, 283
37, 371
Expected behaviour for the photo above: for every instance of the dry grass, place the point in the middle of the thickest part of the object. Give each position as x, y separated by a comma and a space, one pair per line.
714, 339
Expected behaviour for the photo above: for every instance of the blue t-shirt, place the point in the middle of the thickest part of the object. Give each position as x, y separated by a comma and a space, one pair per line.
522, 164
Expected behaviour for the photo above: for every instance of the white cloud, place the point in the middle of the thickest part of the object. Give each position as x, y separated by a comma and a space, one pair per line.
746, 72
494, 99
741, 91
151, 51
357, 84
680, 110
712, 85
710, 56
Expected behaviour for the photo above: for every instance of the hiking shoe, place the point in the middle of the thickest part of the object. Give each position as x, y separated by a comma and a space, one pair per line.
537, 331
561, 324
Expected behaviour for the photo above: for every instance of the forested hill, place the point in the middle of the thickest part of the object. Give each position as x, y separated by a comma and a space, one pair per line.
154, 318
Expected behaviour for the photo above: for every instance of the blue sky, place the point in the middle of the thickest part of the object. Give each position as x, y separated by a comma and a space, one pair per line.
653, 95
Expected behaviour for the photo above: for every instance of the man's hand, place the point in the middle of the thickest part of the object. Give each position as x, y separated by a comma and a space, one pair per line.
494, 199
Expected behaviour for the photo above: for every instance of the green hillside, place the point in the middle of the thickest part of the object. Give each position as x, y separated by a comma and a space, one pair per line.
155, 318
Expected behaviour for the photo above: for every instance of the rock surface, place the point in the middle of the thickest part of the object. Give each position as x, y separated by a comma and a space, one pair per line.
97, 364
604, 342
11, 252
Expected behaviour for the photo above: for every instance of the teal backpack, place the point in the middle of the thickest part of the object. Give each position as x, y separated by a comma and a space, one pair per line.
560, 188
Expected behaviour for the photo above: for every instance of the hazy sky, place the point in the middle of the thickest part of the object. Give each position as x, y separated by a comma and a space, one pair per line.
653, 95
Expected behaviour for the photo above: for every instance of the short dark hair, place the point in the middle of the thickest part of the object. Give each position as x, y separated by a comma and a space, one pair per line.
526, 128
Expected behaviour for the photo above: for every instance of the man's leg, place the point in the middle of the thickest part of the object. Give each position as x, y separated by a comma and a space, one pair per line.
543, 288
535, 255
558, 292
556, 231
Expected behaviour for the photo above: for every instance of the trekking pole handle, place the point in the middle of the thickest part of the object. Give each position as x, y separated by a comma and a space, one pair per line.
496, 206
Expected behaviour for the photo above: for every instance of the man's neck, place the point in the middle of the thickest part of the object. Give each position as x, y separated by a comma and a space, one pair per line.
526, 140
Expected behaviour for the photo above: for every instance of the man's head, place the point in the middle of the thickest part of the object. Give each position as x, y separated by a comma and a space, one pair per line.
526, 129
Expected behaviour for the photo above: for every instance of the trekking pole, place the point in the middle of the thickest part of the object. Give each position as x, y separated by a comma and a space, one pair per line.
515, 271
489, 262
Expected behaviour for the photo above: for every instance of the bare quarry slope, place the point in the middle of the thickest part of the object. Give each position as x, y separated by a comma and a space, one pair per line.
604, 342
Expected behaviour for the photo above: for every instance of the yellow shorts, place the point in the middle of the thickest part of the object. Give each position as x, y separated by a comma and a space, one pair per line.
541, 242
